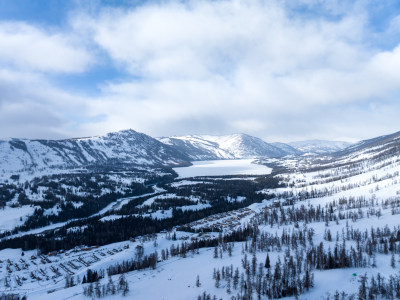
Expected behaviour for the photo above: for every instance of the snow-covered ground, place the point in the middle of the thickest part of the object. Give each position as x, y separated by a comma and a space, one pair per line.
175, 278
222, 168
14, 216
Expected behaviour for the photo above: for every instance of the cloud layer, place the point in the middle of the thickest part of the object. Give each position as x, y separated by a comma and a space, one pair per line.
265, 68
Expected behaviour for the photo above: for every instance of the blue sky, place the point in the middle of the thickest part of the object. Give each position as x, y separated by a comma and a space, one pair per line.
280, 70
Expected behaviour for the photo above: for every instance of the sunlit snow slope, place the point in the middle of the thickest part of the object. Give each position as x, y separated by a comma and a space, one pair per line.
235, 146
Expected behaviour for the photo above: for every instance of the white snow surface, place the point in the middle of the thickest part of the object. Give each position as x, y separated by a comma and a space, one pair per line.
11, 217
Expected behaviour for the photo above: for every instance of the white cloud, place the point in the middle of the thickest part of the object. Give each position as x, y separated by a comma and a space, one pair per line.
249, 65
29, 47
31, 105
261, 67
203, 38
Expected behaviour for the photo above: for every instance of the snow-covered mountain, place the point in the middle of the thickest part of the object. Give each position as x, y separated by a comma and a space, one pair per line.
375, 148
366, 214
342, 204
235, 146
319, 146
127, 147
380, 142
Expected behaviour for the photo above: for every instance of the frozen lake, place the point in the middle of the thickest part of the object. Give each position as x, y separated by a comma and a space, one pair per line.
223, 167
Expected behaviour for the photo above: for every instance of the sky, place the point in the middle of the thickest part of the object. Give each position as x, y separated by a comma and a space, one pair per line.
280, 70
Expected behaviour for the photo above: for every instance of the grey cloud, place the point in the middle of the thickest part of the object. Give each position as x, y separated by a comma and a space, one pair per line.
28, 120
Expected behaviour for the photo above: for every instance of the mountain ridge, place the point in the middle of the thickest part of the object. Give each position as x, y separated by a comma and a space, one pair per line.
126, 147
234, 146
134, 148
317, 146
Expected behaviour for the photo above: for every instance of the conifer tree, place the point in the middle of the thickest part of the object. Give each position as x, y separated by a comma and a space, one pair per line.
267, 262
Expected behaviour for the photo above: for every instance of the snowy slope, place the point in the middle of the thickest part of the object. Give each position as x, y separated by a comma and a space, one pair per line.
177, 275
236, 146
287, 148
385, 142
197, 147
127, 147
367, 152
358, 199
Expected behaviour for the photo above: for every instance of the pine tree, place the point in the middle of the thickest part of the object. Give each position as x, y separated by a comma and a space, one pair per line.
215, 252
217, 279
362, 291
307, 280
254, 264
236, 278
198, 281
267, 262
125, 289
97, 290
90, 290
228, 286
111, 286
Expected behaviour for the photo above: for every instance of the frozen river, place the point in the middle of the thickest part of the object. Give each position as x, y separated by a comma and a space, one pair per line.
223, 167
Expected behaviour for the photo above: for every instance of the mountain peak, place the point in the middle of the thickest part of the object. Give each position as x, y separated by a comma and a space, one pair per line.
126, 147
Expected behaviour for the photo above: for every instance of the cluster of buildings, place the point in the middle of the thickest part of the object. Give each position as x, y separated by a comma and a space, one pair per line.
223, 221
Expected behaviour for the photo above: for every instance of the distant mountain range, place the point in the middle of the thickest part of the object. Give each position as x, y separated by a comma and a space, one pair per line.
123, 147
319, 146
209, 147
134, 148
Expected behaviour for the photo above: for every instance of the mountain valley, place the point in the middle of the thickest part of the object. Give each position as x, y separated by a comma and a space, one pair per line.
104, 212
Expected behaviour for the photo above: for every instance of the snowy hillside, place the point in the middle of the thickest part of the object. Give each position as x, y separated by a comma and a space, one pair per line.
319, 146
378, 144
365, 153
326, 227
287, 148
197, 147
236, 146
123, 147
328, 234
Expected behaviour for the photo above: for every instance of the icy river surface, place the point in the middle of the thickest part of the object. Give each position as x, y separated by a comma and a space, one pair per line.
223, 167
